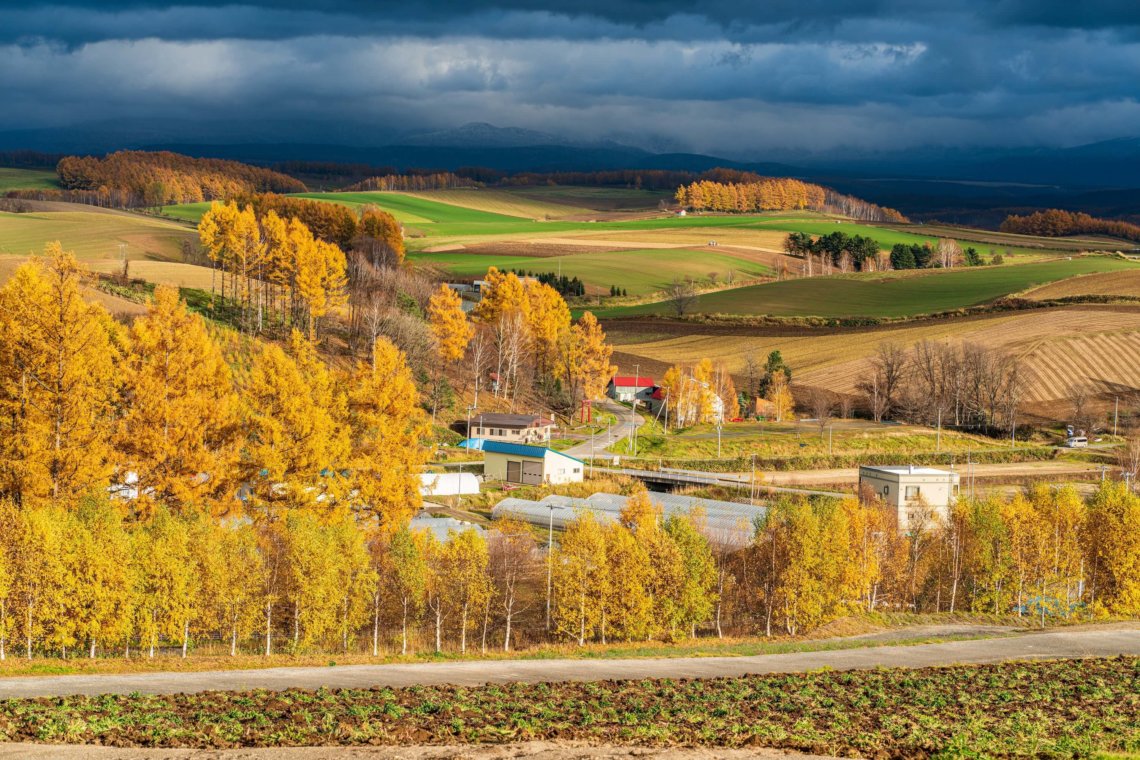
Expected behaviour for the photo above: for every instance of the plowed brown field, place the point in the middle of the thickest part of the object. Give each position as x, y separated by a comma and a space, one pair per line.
1098, 346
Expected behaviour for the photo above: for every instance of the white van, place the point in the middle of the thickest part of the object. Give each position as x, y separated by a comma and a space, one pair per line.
1076, 442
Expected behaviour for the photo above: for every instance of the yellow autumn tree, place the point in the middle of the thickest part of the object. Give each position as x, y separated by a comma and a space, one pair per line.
388, 429
298, 443
58, 384
548, 322
781, 397
581, 579
503, 294
179, 432
585, 359
465, 560
627, 606
695, 594
449, 324
103, 598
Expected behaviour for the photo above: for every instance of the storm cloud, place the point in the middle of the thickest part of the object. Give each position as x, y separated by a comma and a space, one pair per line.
733, 78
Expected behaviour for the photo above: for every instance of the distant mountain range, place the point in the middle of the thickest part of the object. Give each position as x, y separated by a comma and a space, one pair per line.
929, 181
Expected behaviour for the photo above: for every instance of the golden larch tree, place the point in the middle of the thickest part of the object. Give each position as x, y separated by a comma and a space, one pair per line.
389, 429
179, 433
449, 324
58, 384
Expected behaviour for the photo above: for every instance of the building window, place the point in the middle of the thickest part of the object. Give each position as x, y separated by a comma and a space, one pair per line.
886, 490
911, 492
577, 470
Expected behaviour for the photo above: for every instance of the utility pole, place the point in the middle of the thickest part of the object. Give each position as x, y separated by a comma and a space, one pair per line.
719, 424
752, 486
938, 439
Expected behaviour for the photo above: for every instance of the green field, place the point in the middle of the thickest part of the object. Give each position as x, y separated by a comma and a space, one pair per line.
638, 271
93, 234
27, 179
885, 294
434, 217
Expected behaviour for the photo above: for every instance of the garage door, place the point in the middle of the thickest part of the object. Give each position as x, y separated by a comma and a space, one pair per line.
532, 473
514, 472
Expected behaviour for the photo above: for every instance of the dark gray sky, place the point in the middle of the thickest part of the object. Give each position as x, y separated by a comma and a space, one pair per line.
732, 78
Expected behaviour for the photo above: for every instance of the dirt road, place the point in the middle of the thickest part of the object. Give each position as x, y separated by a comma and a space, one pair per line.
531, 750
1101, 641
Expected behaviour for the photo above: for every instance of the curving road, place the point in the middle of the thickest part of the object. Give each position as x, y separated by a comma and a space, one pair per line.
1098, 641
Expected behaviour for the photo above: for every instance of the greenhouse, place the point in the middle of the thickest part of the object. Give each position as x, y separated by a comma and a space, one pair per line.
725, 522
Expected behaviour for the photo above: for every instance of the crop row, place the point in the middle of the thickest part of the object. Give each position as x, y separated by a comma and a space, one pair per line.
1065, 708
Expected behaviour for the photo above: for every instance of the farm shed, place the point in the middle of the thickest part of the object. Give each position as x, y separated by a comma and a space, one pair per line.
526, 465
630, 387
448, 484
911, 490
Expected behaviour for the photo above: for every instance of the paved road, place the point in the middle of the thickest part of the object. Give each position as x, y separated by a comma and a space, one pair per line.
596, 446
1100, 642
700, 477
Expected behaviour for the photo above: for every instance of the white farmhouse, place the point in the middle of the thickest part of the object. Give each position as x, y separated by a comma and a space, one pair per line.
910, 490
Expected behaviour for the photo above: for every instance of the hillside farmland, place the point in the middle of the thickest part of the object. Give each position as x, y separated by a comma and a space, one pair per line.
888, 294
93, 233
1095, 346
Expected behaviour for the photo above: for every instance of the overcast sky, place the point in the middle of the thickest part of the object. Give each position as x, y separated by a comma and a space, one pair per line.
731, 78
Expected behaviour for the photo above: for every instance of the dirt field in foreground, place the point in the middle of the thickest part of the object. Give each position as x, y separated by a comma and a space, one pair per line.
536, 750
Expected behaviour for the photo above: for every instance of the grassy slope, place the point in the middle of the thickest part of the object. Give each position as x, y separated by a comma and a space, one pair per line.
93, 235
886, 295
639, 272
27, 179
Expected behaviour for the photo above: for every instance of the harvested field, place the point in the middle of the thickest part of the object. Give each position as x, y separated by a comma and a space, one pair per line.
1103, 284
93, 234
1060, 707
1094, 345
162, 272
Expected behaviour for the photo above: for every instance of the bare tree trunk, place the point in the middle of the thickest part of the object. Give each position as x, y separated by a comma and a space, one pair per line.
268, 628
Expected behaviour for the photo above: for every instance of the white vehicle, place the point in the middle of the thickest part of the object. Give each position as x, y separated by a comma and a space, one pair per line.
1076, 442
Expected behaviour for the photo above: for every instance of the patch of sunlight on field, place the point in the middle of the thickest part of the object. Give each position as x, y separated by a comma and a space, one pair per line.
162, 272
499, 202
639, 272
93, 235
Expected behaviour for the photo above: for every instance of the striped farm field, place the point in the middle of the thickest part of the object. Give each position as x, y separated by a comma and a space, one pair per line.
638, 271
1104, 284
1097, 346
93, 234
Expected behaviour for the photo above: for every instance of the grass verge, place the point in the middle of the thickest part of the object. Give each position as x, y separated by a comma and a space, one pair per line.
1062, 708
